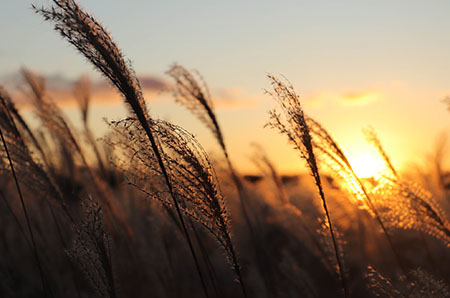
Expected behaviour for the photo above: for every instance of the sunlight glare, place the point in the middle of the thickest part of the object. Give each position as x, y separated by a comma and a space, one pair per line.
366, 165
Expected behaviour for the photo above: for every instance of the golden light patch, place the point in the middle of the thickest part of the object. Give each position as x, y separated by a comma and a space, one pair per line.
359, 98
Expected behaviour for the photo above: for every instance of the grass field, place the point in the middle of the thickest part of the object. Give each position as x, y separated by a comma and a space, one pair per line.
145, 212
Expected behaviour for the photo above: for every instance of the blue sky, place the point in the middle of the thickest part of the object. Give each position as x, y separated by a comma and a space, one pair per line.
318, 42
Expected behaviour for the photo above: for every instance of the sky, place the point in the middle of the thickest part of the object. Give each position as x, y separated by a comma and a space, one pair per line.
355, 64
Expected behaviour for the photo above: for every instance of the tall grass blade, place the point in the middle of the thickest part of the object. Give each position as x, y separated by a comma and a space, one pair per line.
295, 127
45, 288
89, 37
189, 165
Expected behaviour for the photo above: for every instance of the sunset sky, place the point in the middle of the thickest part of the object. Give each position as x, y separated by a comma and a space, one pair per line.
355, 63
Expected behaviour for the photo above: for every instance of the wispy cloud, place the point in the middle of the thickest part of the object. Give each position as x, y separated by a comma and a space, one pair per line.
234, 98
357, 97
60, 88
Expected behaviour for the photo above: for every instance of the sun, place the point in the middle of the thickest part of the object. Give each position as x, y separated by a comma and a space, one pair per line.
366, 165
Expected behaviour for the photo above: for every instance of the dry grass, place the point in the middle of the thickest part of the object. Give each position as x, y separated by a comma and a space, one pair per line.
152, 207
294, 126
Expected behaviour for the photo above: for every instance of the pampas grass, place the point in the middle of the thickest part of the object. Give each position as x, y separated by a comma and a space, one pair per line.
334, 157
91, 250
419, 284
151, 204
193, 93
189, 165
295, 127
82, 92
94, 42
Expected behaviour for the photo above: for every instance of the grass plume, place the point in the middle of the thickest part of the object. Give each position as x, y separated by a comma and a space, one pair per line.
189, 165
45, 288
192, 92
91, 250
89, 37
295, 127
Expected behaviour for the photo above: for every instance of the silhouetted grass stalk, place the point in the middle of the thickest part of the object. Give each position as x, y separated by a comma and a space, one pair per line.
11, 108
263, 162
82, 93
188, 164
54, 120
323, 141
90, 38
196, 97
298, 132
27, 219
372, 138
16, 219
